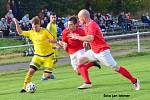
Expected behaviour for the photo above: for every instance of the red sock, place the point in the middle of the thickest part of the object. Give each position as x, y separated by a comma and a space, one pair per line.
84, 73
127, 74
88, 65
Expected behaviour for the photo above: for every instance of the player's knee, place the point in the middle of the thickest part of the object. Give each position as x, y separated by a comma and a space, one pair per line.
32, 69
82, 60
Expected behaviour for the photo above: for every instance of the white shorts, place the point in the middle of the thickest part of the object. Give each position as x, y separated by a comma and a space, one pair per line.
104, 57
75, 56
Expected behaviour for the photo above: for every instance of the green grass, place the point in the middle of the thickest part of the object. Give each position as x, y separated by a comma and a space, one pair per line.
105, 81
121, 47
15, 60
11, 42
129, 45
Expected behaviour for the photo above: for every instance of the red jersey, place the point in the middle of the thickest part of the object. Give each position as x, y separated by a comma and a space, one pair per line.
98, 44
72, 45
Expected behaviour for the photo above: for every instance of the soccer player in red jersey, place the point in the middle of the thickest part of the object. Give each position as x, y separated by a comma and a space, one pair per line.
99, 51
74, 47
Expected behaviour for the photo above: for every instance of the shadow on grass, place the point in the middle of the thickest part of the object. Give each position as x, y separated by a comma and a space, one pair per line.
94, 87
9, 92
143, 83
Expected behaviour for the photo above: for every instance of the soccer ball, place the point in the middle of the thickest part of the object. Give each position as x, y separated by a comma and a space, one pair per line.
31, 87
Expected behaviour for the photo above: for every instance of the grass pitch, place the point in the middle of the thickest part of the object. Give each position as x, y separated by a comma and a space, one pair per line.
107, 84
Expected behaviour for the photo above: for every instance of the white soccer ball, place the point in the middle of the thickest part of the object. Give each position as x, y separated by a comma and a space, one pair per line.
31, 87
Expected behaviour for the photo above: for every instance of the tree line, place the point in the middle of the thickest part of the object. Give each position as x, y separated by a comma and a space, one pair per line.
66, 7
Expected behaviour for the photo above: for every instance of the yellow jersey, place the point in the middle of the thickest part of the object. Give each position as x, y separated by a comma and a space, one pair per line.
53, 29
39, 39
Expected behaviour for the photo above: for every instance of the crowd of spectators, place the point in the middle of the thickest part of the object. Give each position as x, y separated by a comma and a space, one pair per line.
106, 21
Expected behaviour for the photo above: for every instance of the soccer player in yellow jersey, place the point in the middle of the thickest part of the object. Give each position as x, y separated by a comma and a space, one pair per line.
52, 28
42, 41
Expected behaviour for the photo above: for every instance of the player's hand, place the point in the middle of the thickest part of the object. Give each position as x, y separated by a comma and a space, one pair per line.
51, 40
64, 45
47, 40
73, 36
58, 46
85, 44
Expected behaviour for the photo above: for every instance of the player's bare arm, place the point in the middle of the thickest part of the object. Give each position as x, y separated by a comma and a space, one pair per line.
19, 30
87, 38
52, 40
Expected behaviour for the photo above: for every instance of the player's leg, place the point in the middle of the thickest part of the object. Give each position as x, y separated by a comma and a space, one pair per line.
34, 65
81, 53
123, 71
49, 66
83, 67
48, 75
93, 63
83, 70
73, 60
28, 77
106, 59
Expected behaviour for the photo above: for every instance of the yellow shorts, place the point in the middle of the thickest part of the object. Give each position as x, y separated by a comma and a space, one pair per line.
46, 62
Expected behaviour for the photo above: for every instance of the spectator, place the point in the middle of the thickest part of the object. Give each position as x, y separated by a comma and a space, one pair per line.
108, 18
46, 21
122, 21
41, 14
61, 24
3, 26
9, 16
26, 19
129, 21
42, 23
145, 19
12, 27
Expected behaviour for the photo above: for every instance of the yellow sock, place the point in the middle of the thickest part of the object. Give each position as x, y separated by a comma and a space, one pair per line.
27, 80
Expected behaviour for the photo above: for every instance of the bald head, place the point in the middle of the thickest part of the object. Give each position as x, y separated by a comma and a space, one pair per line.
84, 16
85, 13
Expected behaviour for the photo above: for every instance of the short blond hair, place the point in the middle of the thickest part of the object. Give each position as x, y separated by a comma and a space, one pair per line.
35, 20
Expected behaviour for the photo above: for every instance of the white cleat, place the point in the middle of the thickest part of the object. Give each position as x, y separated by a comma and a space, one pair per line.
137, 85
85, 86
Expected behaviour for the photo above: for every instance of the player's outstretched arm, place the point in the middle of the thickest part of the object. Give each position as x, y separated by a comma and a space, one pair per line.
19, 30
82, 38
52, 40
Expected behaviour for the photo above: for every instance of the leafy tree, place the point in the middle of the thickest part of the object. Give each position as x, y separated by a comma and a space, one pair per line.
118, 6
101, 5
3, 8
66, 7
